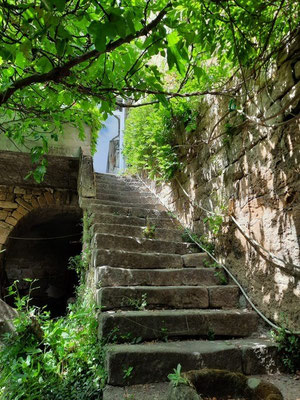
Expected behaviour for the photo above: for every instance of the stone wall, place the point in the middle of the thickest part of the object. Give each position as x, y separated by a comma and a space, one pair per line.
68, 145
30, 213
16, 202
246, 164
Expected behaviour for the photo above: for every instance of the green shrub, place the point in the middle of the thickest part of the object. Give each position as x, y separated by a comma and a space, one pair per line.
288, 346
150, 137
55, 359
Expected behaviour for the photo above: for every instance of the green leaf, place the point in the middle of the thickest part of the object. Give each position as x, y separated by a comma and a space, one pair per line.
60, 46
59, 4
173, 38
171, 59
99, 33
44, 65
162, 98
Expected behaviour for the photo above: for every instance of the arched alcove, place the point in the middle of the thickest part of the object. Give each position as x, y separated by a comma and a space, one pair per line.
39, 247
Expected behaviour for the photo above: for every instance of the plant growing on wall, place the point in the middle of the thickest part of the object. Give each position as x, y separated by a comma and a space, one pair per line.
68, 61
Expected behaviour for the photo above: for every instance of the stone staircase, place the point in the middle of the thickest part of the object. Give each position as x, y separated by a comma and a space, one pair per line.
161, 304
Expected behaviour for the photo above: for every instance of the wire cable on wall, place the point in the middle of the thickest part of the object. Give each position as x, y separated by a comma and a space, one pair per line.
269, 322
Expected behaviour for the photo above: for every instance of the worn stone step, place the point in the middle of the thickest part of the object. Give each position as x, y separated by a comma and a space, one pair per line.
120, 182
133, 211
137, 231
112, 178
166, 223
131, 197
130, 326
116, 188
168, 297
143, 245
149, 206
134, 260
152, 362
109, 276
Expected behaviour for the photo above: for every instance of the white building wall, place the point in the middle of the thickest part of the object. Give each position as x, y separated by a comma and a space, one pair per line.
114, 129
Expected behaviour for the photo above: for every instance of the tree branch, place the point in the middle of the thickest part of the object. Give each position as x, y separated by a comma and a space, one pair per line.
56, 74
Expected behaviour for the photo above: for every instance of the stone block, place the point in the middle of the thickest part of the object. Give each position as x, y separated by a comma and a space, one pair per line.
291, 99
283, 81
22, 210
4, 225
17, 215
2, 196
261, 358
19, 190
182, 392
42, 201
223, 296
162, 358
3, 214
12, 221
3, 236
149, 325
273, 114
181, 297
34, 202
113, 393
36, 192
122, 258
10, 197
194, 259
7, 314
49, 198
27, 197
24, 203
297, 70
8, 204
107, 276
58, 197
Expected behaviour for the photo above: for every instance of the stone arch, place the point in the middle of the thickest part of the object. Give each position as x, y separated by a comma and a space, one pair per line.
40, 214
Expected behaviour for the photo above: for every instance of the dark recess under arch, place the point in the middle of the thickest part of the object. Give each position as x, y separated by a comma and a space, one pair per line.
44, 260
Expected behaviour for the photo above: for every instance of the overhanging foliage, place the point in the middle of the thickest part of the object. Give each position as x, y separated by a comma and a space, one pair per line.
69, 60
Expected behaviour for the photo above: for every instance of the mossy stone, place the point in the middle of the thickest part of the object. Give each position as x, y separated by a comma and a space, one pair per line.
216, 382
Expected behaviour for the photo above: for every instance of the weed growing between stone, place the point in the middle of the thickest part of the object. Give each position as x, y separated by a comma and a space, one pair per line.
176, 378
289, 347
55, 359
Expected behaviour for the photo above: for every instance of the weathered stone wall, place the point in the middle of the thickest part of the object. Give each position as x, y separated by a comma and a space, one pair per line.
16, 202
29, 214
247, 162
68, 145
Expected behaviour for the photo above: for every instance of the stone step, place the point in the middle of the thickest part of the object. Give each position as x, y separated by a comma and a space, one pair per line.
132, 211
168, 297
152, 362
137, 231
112, 178
131, 197
108, 276
95, 202
130, 326
107, 218
116, 188
143, 245
119, 182
134, 260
